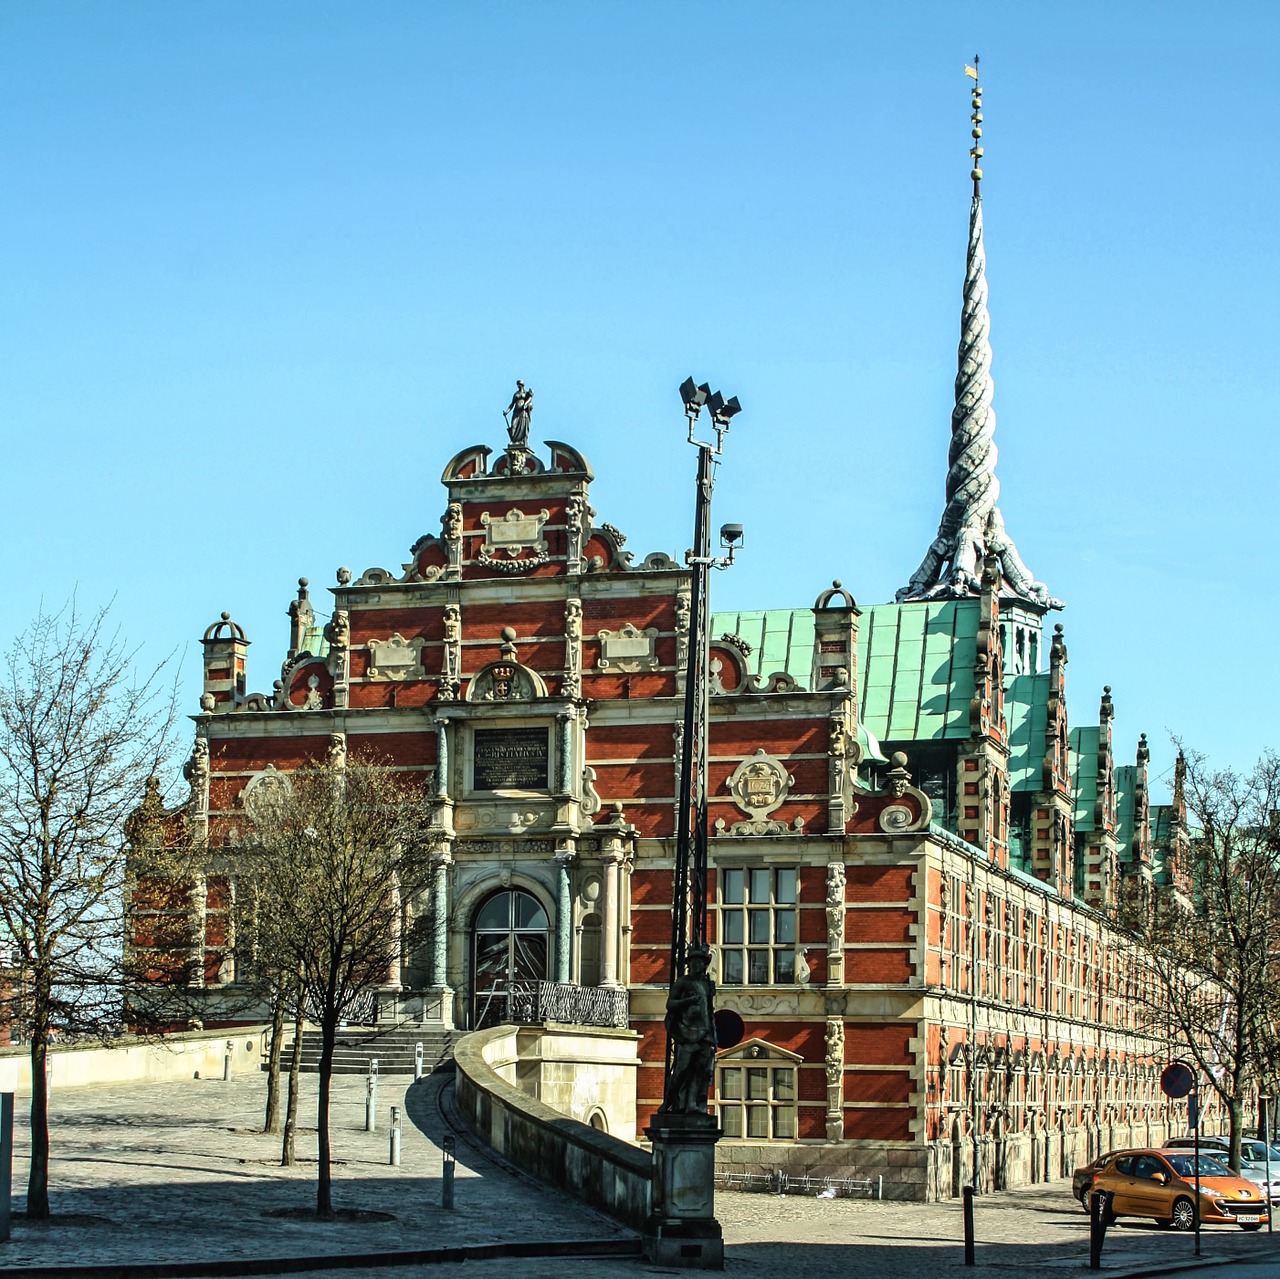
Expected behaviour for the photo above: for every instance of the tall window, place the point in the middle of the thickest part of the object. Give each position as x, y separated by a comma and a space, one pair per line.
757, 926
757, 1099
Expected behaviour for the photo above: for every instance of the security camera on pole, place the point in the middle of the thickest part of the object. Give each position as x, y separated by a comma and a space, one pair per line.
682, 1229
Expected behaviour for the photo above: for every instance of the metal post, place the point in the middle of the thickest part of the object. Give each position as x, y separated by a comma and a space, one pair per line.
6, 1162
1193, 1104
417, 1061
226, 1062
371, 1104
1264, 1132
395, 1136
1100, 1206
446, 1180
967, 1192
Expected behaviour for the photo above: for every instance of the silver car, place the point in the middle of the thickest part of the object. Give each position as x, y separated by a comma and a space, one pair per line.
1253, 1159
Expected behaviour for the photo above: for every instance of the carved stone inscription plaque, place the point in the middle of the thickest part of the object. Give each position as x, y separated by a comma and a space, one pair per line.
511, 759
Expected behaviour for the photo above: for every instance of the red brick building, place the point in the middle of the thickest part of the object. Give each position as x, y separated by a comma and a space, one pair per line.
915, 933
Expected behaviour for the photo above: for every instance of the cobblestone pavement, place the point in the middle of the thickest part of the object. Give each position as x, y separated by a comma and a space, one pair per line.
174, 1172
179, 1172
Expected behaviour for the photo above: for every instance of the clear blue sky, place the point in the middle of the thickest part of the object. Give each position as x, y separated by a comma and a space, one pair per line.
267, 267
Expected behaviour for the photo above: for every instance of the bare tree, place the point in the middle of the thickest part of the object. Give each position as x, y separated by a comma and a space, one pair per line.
83, 736
1213, 955
333, 850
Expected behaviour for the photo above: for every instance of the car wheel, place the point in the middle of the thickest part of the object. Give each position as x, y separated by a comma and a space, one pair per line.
1183, 1216
1084, 1199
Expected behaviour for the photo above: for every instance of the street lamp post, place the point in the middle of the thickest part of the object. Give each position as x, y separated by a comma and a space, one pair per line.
682, 1229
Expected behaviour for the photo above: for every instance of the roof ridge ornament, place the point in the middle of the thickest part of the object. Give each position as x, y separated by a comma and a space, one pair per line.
972, 527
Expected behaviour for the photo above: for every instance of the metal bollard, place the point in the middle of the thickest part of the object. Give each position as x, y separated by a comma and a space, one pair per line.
1099, 1206
226, 1062
446, 1180
395, 1136
370, 1104
968, 1225
6, 1163
417, 1061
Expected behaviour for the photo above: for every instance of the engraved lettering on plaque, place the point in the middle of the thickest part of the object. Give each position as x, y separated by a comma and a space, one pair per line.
511, 759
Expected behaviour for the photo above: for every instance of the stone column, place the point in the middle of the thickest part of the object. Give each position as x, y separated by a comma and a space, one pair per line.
564, 915
565, 781
440, 988
609, 918
442, 759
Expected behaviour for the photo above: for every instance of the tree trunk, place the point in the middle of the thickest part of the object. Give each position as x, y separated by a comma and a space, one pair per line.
1235, 1114
287, 1155
324, 1189
271, 1123
38, 1180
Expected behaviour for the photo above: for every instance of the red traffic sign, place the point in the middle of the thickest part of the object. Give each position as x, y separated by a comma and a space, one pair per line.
1176, 1079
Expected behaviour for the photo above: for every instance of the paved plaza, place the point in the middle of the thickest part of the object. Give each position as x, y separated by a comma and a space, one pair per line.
178, 1175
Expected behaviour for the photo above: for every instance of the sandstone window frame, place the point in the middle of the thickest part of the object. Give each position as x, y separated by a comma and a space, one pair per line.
757, 1089
758, 924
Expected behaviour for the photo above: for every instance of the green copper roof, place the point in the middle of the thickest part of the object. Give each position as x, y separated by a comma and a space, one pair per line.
1126, 789
915, 662
1026, 709
1083, 743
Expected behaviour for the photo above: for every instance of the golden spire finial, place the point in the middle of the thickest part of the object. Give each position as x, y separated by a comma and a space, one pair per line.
975, 151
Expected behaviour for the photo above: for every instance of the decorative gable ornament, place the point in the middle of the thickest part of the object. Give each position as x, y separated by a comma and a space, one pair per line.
514, 541
506, 681
395, 658
758, 786
628, 649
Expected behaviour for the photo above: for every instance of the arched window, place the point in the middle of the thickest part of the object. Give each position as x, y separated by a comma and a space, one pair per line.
508, 949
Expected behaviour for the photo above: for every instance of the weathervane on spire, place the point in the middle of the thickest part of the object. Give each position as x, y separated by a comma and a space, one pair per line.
975, 151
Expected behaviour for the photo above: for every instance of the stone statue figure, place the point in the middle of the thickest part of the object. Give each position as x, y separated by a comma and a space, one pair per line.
517, 414
691, 1029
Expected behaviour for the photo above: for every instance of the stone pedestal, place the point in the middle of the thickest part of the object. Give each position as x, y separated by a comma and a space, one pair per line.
682, 1230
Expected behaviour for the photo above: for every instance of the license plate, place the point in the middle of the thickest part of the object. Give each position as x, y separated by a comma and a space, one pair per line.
1247, 1216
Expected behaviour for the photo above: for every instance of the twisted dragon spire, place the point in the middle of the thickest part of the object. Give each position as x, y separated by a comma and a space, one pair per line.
972, 526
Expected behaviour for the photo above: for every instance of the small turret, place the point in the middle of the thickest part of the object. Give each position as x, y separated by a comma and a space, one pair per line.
225, 649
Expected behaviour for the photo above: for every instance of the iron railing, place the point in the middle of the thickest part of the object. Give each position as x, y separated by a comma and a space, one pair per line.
534, 1002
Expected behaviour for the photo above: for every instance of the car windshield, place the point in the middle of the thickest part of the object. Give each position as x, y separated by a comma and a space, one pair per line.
1185, 1166
1256, 1152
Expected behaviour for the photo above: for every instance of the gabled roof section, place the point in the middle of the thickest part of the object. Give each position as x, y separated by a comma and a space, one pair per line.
1083, 744
915, 669
1026, 709
781, 639
915, 662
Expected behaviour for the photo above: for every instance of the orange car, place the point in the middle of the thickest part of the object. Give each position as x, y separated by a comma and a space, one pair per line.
1162, 1184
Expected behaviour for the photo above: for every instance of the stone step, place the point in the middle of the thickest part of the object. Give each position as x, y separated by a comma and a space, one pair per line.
394, 1048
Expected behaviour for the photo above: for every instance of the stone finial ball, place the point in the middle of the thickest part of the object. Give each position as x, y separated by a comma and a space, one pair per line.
508, 633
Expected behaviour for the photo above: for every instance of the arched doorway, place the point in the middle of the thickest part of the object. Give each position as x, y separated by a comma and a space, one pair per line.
508, 946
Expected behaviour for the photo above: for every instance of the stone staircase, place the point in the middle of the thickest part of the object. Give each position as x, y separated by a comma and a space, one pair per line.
393, 1045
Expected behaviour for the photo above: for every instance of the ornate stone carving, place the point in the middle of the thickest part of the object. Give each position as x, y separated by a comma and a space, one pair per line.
338, 630
683, 612
395, 658
144, 827
759, 785
573, 648
590, 799
451, 661
577, 519
628, 649
514, 541
835, 907
336, 755
196, 770
835, 1050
